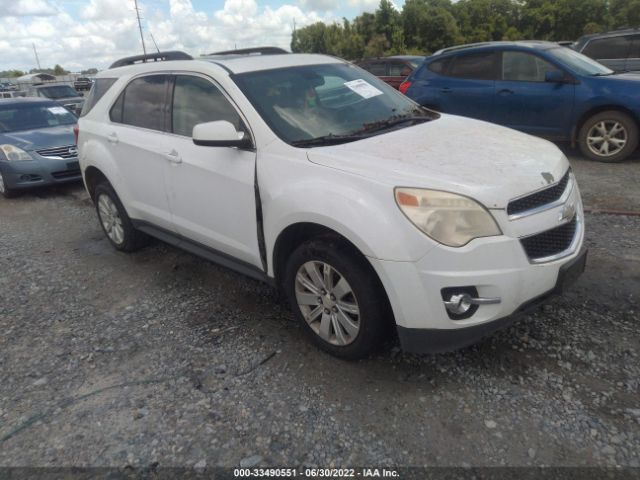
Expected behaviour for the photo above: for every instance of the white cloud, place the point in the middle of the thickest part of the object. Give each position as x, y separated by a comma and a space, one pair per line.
24, 8
105, 30
319, 5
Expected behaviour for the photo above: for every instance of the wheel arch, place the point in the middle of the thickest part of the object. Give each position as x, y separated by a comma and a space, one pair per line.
92, 177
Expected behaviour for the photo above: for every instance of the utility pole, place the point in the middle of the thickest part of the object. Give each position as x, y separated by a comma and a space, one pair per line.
144, 49
36, 54
154, 41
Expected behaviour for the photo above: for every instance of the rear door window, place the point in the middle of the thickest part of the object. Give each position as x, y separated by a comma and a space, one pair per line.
142, 103
99, 88
476, 66
634, 52
608, 48
379, 69
197, 100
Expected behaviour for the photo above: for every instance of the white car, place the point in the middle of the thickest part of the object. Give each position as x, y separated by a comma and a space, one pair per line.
371, 213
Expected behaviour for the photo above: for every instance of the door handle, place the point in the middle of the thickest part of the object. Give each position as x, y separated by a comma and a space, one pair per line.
506, 91
173, 157
112, 137
445, 90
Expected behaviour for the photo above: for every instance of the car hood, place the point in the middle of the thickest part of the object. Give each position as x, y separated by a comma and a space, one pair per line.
28, 140
487, 162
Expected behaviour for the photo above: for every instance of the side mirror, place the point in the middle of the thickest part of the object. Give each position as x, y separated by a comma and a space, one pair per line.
220, 134
554, 76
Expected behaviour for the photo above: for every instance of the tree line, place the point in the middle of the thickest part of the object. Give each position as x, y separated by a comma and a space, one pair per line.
424, 26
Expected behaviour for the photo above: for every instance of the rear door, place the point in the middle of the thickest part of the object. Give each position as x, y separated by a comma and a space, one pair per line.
137, 139
467, 87
611, 51
212, 189
633, 62
526, 102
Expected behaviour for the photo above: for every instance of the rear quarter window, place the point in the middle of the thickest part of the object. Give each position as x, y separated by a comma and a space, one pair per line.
99, 88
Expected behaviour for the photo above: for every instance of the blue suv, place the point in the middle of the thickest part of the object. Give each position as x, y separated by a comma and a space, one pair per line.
537, 87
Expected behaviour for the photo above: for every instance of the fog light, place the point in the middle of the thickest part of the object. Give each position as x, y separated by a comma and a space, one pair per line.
462, 302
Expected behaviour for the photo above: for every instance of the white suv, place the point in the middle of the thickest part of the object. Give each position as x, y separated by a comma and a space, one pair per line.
307, 172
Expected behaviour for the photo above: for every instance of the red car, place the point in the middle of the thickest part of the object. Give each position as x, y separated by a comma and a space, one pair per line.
392, 70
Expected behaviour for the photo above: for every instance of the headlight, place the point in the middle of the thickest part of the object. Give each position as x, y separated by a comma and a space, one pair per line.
14, 154
447, 218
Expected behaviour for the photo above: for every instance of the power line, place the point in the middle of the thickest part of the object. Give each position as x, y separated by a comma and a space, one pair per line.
154, 41
36, 54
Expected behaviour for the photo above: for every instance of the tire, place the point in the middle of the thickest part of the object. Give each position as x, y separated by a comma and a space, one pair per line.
4, 190
336, 317
115, 222
618, 130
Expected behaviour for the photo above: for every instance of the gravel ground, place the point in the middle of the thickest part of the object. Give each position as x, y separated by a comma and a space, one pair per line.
159, 358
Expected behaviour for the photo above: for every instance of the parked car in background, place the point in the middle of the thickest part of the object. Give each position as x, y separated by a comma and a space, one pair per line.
618, 50
13, 94
392, 70
82, 83
8, 87
62, 93
537, 87
37, 145
309, 173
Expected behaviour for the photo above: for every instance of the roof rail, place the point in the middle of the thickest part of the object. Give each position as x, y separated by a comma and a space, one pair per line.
253, 51
151, 57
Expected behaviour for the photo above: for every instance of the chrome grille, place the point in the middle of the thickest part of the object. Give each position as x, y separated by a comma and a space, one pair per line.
540, 198
70, 151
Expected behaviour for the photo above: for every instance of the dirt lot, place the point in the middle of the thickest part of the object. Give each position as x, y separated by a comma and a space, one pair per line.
159, 358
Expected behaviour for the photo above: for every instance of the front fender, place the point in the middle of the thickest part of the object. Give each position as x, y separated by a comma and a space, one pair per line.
361, 210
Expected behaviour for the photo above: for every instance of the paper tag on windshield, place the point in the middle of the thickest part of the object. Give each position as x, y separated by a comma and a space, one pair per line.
58, 110
363, 88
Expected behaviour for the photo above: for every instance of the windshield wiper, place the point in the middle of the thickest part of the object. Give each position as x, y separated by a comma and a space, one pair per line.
395, 121
325, 140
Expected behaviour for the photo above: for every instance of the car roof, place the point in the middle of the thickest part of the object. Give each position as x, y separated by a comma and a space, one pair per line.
232, 63
614, 33
523, 44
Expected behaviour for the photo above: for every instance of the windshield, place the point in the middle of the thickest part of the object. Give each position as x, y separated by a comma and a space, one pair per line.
578, 62
58, 91
14, 117
338, 102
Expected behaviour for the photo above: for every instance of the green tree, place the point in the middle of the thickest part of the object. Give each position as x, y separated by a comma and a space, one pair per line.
428, 27
58, 70
387, 19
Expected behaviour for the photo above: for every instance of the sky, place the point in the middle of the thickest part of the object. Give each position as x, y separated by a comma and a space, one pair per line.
80, 34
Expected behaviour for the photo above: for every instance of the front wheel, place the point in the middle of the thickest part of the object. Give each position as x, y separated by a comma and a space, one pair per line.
4, 189
337, 297
610, 136
115, 222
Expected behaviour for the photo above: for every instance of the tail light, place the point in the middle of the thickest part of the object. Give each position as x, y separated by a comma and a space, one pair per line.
76, 131
404, 86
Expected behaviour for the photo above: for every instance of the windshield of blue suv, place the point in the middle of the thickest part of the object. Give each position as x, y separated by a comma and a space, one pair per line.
316, 105
28, 116
578, 62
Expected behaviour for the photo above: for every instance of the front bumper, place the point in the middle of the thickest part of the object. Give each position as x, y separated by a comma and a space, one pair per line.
427, 340
495, 268
39, 172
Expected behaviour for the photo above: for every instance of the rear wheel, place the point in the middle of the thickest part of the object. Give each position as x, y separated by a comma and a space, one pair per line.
337, 298
610, 136
115, 222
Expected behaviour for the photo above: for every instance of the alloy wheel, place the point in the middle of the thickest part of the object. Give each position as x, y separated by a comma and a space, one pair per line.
110, 218
327, 302
607, 138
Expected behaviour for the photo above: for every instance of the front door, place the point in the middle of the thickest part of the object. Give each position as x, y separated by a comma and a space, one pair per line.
525, 101
211, 189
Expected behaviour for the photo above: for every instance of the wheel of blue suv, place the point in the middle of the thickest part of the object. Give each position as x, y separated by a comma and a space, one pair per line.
609, 136
115, 222
337, 297
4, 190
